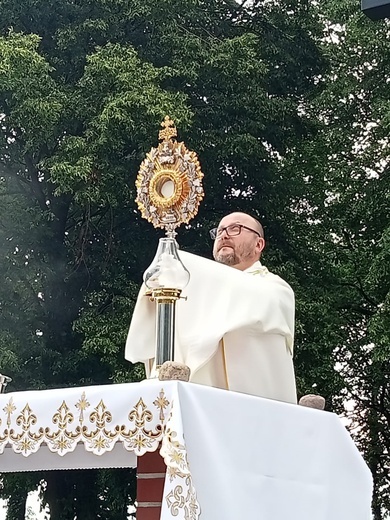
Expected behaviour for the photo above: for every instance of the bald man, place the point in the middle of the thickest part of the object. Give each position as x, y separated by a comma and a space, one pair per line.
235, 330
239, 241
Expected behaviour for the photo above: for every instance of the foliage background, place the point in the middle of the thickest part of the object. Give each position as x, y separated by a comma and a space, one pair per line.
287, 106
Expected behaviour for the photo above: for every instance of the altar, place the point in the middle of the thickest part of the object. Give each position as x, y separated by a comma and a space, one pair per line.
228, 455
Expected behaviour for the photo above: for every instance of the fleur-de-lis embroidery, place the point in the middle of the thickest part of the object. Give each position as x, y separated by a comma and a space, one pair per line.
140, 414
101, 415
63, 416
26, 419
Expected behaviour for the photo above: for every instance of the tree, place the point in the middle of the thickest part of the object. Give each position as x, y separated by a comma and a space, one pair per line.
350, 160
83, 89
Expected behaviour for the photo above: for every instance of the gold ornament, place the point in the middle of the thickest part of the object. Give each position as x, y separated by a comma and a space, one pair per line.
169, 182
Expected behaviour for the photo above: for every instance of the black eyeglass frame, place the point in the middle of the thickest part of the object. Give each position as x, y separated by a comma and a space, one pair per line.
217, 232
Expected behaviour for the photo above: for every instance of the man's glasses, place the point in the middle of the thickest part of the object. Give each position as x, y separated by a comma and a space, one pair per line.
232, 231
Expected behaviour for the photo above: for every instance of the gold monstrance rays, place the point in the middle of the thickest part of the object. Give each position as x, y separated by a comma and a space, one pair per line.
169, 182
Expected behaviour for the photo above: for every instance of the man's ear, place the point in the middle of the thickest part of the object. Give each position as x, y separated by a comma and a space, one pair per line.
260, 245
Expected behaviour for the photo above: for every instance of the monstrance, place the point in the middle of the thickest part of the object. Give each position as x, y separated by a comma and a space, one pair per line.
169, 191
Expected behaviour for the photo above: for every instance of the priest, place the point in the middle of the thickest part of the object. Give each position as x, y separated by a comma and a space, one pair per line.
235, 330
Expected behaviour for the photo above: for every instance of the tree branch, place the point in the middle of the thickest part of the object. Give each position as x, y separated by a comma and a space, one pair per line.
35, 184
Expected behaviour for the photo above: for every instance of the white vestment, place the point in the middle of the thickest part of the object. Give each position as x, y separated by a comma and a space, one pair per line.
234, 331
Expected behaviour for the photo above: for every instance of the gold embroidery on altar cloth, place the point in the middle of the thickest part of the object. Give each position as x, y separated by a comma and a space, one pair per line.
9, 409
137, 436
101, 415
140, 439
150, 424
82, 405
62, 440
26, 441
174, 452
102, 437
181, 499
162, 403
178, 499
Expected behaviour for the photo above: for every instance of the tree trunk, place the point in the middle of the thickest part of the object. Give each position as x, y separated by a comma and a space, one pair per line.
17, 505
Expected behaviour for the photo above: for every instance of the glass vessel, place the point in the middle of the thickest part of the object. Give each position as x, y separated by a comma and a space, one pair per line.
167, 270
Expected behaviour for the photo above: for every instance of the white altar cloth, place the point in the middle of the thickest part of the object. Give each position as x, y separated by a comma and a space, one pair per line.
228, 455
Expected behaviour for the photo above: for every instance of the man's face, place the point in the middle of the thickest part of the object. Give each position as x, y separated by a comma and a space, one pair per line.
239, 251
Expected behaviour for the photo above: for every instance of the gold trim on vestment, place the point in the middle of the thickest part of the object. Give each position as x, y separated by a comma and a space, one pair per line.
225, 364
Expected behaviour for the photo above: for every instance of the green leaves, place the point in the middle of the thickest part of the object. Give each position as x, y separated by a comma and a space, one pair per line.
283, 103
30, 99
